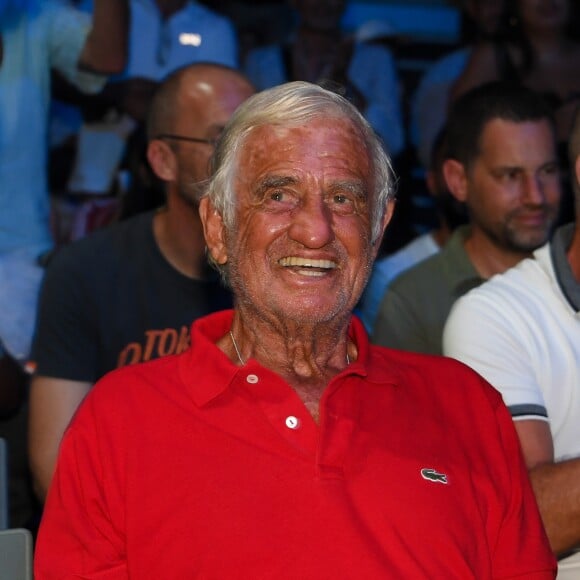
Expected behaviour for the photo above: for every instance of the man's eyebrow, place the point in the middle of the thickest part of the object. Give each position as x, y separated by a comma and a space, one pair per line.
357, 187
501, 169
551, 163
273, 181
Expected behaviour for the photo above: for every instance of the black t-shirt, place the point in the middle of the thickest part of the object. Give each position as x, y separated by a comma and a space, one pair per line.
112, 299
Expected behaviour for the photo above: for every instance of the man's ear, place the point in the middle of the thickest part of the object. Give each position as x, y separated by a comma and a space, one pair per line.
455, 178
386, 219
214, 231
162, 160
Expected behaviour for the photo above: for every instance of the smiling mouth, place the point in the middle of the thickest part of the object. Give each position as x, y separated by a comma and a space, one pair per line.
308, 267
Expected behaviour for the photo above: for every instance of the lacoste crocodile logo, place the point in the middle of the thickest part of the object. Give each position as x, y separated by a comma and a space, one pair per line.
432, 475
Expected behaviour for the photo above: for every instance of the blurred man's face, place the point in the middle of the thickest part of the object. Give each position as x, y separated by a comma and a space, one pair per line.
513, 186
301, 245
205, 107
544, 15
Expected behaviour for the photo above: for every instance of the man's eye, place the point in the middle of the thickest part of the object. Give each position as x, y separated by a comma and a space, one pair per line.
551, 170
277, 196
341, 203
280, 200
509, 175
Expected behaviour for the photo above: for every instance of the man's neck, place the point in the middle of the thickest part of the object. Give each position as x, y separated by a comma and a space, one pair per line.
441, 234
179, 235
306, 355
488, 258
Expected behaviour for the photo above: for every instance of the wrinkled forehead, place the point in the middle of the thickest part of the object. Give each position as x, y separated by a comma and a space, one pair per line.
320, 144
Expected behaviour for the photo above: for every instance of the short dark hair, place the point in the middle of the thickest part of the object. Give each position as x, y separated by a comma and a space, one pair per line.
471, 113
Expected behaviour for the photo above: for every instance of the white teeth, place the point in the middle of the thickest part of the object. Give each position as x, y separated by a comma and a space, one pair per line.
314, 273
296, 261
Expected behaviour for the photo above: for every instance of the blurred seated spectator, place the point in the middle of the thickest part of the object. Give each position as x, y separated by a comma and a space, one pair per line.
129, 292
541, 50
36, 37
430, 102
164, 35
320, 52
450, 214
502, 163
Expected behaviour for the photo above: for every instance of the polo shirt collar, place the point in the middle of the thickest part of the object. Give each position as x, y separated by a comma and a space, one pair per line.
205, 369
208, 372
559, 246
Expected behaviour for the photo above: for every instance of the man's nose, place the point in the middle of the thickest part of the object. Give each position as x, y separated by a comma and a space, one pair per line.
312, 223
534, 190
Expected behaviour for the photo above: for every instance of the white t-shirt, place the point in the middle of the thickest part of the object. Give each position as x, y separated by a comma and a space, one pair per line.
521, 331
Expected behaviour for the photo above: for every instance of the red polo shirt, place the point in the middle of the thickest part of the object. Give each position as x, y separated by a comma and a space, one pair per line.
192, 467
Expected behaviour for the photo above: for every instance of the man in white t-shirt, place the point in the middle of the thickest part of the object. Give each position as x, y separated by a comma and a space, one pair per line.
521, 331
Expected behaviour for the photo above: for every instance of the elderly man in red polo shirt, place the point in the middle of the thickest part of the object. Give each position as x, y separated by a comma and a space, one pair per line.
282, 444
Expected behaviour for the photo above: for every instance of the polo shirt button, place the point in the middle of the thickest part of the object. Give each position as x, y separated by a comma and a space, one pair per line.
292, 422
252, 379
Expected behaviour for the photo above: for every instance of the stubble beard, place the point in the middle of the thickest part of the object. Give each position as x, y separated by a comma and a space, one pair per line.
190, 194
522, 240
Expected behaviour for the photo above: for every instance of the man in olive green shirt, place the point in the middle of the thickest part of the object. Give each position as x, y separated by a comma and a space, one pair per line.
501, 161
